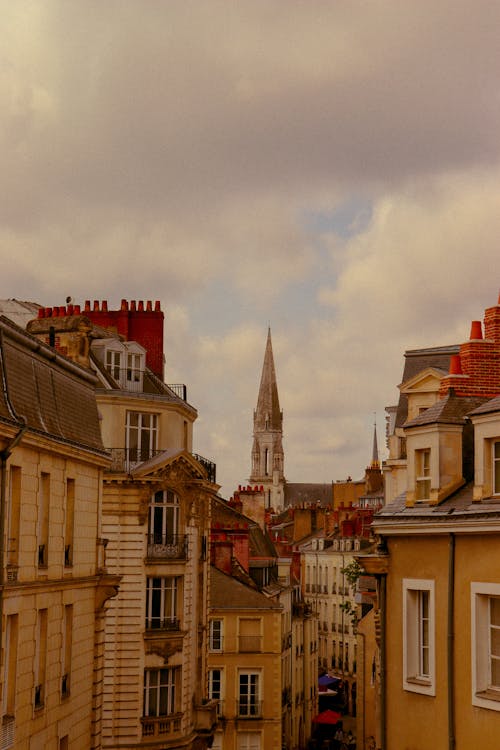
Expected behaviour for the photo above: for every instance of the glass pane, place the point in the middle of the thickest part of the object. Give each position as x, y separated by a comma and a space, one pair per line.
497, 450
495, 673
494, 611
496, 488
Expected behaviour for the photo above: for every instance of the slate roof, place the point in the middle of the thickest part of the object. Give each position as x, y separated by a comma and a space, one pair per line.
228, 593
489, 406
298, 493
457, 507
52, 394
417, 360
448, 410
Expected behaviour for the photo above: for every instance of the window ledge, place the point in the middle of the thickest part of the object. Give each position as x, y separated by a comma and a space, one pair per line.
489, 695
423, 681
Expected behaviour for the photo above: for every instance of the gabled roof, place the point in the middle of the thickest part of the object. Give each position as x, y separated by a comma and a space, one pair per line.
417, 360
449, 410
228, 593
169, 458
418, 381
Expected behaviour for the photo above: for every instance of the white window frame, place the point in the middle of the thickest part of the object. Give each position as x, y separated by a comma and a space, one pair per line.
161, 685
113, 363
164, 511
422, 474
249, 694
484, 694
495, 462
249, 740
162, 602
418, 641
216, 687
141, 439
216, 634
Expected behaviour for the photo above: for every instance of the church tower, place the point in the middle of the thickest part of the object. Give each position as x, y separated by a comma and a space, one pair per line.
267, 451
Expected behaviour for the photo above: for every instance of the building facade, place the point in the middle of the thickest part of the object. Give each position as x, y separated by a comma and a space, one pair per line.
54, 582
438, 560
156, 520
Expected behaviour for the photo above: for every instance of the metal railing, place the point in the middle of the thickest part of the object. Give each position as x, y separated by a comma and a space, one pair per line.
167, 547
160, 623
249, 709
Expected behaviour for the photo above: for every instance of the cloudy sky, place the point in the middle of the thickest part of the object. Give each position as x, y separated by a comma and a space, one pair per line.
329, 168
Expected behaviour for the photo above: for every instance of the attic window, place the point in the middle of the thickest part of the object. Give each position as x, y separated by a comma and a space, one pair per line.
496, 468
113, 363
423, 474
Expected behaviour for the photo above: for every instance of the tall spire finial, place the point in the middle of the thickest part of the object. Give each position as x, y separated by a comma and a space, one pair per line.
375, 460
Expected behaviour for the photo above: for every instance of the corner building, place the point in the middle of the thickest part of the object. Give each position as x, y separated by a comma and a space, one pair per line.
156, 520
54, 584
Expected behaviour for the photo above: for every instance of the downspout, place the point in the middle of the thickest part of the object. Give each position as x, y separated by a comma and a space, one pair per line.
451, 643
383, 599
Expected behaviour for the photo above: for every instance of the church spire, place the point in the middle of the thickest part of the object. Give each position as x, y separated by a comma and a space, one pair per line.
267, 450
267, 414
375, 464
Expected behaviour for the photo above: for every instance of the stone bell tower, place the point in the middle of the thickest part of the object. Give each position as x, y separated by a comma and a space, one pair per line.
267, 451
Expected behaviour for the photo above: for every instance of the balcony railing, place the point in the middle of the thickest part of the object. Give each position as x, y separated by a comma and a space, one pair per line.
126, 459
168, 623
249, 709
156, 726
167, 547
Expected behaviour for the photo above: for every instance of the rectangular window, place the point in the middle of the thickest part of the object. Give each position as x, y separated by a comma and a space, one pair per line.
10, 668
43, 520
496, 468
141, 436
423, 474
249, 741
215, 688
485, 644
134, 368
418, 636
249, 694
161, 603
113, 363
160, 691
40, 658
216, 635
67, 649
69, 522
14, 518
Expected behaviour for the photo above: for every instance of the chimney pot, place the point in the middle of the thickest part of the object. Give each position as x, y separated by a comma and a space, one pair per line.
87, 305
41, 312
157, 306
96, 305
124, 305
476, 330
77, 309
105, 305
455, 365
71, 309
149, 306
132, 305
141, 306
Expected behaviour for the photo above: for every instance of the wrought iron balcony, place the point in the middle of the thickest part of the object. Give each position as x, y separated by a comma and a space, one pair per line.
167, 547
249, 709
168, 624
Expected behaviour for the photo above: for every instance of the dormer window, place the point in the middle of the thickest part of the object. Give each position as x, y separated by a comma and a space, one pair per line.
423, 474
496, 468
114, 363
134, 368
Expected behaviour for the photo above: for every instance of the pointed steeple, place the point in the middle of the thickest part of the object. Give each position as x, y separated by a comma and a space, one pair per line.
375, 460
267, 449
268, 414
